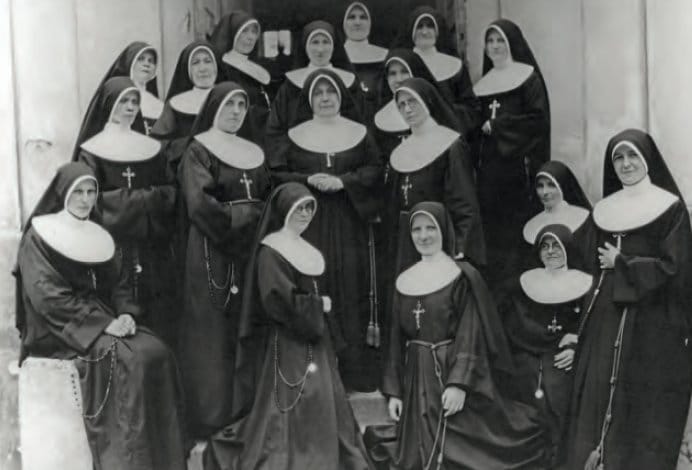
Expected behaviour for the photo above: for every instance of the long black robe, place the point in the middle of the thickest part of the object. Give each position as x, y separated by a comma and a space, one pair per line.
141, 219
492, 431
655, 377
320, 431
221, 215
520, 131
458, 92
68, 305
340, 231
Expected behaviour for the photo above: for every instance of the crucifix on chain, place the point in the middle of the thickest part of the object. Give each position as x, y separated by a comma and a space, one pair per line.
129, 174
405, 187
329, 156
494, 106
417, 312
247, 182
554, 327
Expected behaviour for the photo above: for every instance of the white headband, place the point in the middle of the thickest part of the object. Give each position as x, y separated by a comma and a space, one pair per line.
545, 174
298, 203
200, 48
240, 30
142, 51
414, 94
225, 100
631, 146
76, 182
317, 79
359, 5
399, 60
319, 31
418, 20
120, 97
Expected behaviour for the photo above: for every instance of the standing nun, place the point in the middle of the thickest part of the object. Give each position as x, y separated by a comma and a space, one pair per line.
336, 156
137, 197
194, 76
319, 48
236, 37
633, 378
367, 59
224, 181
514, 140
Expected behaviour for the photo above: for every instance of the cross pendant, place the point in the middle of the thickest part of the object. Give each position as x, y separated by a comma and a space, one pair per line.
147, 128
619, 237
554, 327
494, 106
329, 156
129, 174
405, 188
93, 278
247, 182
417, 312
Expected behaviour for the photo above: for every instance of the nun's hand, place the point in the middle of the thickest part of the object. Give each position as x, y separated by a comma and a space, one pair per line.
607, 256
331, 184
129, 323
453, 399
117, 328
395, 405
317, 180
568, 340
459, 255
564, 359
326, 304
487, 128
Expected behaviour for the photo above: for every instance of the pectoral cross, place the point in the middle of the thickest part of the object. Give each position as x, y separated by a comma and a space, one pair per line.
554, 327
129, 174
417, 312
147, 127
329, 156
247, 182
92, 273
494, 106
405, 188
619, 237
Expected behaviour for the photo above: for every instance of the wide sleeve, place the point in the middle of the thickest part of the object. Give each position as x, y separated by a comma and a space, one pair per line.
467, 105
394, 363
166, 125
121, 297
518, 134
76, 319
523, 331
636, 277
362, 183
462, 203
276, 141
284, 301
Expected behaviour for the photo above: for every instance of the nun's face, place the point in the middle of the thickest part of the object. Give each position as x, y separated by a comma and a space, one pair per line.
552, 254
425, 37
357, 24
144, 68
426, 235
325, 99
396, 74
202, 69
126, 108
82, 199
496, 47
629, 166
300, 218
412, 110
247, 39
232, 114
548, 192
319, 50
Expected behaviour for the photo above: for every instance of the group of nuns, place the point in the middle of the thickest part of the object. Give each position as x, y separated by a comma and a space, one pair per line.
230, 261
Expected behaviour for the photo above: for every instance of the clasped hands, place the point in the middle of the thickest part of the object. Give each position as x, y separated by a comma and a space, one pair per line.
453, 400
325, 182
565, 358
122, 326
607, 255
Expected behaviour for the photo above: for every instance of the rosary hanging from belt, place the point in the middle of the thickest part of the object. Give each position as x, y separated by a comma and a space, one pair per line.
228, 284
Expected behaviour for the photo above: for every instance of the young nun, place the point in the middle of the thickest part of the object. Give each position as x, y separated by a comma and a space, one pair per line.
514, 140
427, 34
632, 379
292, 407
367, 59
337, 158
542, 319
137, 198
195, 74
74, 303
224, 182
448, 357
433, 164
319, 48
236, 38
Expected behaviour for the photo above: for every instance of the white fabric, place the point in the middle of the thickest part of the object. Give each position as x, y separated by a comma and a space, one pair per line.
190, 101
555, 287
79, 240
51, 425
299, 253
150, 105
248, 67
389, 119
419, 150
362, 52
427, 276
442, 66
327, 135
120, 144
505, 79
565, 214
232, 150
298, 76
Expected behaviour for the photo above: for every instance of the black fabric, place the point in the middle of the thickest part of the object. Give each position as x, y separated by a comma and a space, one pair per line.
572, 191
415, 64
226, 29
439, 110
445, 38
181, 81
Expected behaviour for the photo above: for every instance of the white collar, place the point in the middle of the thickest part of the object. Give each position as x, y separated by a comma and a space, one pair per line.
298, 76
299, 253
244, 64
428, 276
362, 52
232, 150
442, 66
564, 214
513, 75
190, 101
555, 287
632, 206
121, 145
419, 150
79, 240
389, 119
327, 135
150, 105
